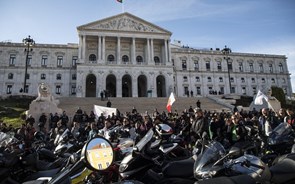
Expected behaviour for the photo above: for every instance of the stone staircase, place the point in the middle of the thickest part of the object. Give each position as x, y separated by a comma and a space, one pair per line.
71, 104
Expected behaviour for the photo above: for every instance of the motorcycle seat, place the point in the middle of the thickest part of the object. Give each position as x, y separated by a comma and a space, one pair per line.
283, 171
180, 169
241, 179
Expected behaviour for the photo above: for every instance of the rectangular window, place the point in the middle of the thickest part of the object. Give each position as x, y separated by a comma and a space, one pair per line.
254, 90
9, 89
196, 66
12, 59
29, 61
26, 89
197, 79
244, 90
73, 89
59, 61
221, 91
186, 90
58, 76
184, 67
260, 67
44, 61
10, 76
198, 90
230, 66
233, 90
219, 68
207, 65
74, 76
58, 89
251, 67
74, 61
243, 80
241, 69
185, 79
43, 76
270, 68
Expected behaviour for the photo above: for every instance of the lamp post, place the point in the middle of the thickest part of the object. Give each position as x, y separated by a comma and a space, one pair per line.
226, 51
29, 42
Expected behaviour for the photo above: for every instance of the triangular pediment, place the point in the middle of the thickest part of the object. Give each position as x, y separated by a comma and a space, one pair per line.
124, 22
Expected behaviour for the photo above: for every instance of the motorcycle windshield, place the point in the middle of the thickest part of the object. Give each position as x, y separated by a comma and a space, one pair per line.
6, 139
279, 134
205, 161
148, 136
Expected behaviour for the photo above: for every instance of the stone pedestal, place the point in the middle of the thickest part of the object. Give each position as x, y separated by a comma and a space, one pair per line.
44, 103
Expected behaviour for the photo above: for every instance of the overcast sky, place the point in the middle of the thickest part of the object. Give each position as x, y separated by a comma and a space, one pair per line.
251, 26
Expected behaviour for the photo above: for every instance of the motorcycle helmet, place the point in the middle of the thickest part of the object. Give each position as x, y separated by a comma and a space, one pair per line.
164, 131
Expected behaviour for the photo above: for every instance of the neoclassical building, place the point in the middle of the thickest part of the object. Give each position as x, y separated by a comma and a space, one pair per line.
130, 57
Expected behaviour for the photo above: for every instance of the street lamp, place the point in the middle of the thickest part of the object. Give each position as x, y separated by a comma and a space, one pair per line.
226, 51
29, 42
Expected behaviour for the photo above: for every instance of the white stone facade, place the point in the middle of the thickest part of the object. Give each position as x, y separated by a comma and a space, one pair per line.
129, 57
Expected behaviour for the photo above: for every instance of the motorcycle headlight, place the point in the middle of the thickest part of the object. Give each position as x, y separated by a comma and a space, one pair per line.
122, 167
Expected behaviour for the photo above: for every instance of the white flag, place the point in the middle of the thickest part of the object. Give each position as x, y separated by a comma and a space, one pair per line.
171, 100
259, 98
98, 110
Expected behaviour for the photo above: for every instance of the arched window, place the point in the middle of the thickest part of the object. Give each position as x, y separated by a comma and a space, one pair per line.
92, 57
125, 58
263, 80
139, 59
157, 60
111, 58
209, 79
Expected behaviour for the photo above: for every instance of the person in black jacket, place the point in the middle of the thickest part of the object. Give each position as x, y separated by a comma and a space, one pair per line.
200, 127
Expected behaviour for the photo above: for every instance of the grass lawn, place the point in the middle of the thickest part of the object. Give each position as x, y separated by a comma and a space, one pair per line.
12, 110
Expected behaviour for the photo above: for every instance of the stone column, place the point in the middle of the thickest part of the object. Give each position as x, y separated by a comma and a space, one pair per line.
169, 51
84, 48
134, 88
103, 48
133, 54
166, 51
118, 50
119, 87
148, 55
99, 48
80, 46
152, 50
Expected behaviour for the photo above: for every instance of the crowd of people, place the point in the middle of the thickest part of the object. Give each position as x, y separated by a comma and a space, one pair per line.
193, 123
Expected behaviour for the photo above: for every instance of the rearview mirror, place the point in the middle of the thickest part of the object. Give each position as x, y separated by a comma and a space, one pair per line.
98, 153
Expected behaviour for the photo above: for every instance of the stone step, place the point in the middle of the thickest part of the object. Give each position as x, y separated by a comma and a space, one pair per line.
71, 104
